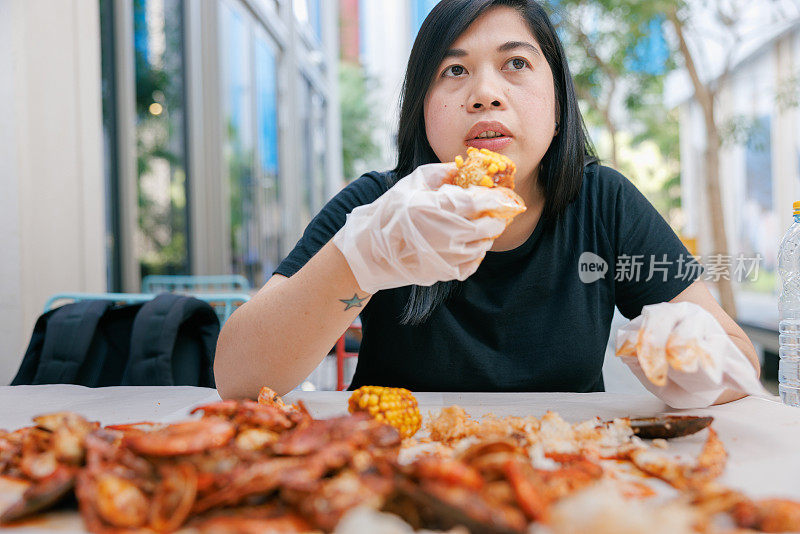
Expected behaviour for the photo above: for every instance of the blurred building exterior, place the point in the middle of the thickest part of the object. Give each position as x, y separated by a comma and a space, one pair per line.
158, 136
384, 33
759, 165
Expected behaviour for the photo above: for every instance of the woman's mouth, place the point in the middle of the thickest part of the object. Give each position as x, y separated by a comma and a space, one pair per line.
491, 140
492, 135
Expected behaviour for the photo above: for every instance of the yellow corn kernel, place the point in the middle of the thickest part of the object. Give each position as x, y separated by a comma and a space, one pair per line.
394, 406
486, 182
459, 161
486, 151
492, 168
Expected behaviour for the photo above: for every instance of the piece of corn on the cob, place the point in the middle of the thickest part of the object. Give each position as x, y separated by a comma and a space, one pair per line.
395, 406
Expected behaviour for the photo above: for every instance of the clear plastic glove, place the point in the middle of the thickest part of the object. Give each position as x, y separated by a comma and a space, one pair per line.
420, 232
682, 355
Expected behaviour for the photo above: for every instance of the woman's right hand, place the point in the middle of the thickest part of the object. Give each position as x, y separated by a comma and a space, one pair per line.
419, 232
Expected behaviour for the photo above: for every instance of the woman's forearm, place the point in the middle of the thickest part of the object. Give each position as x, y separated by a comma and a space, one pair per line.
280, 336
744, 344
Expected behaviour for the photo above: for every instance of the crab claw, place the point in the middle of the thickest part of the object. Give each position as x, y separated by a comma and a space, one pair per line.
41, 495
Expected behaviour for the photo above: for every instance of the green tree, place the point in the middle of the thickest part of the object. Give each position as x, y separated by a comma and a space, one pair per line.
358, 120
615, 28
728, 15
604, 41
655, 123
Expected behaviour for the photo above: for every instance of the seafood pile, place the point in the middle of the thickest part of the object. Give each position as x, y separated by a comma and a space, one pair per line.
246, 466
242, 466
545, 475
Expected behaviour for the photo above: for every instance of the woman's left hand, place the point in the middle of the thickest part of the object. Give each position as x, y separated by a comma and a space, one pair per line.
682, 355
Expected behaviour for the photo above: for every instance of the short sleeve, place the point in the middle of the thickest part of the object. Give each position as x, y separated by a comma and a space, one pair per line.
331, 218
651, 263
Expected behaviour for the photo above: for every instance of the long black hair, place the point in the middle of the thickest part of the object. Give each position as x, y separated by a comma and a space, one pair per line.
561, 170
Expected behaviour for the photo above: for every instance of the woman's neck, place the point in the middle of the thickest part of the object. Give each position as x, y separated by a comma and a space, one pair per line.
523, 224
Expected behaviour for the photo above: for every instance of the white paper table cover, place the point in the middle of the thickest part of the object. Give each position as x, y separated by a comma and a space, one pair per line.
762, 436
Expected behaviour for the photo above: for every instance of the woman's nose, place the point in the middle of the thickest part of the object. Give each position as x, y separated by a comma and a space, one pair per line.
485, 95
481, 105
485, 98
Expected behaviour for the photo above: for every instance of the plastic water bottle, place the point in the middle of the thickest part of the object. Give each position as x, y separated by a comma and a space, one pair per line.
789, 313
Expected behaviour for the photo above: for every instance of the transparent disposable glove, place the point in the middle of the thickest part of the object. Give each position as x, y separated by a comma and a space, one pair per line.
682, 355
420, 232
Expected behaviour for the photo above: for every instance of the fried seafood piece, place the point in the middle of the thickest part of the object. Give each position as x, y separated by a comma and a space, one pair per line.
437, 493
768, 515
248, 413
69, 431
302, 458
41, 495
493, 171
188, 437
269, 397
477, 512
449, 471
235, 524
453, 424
242, 480
113, 488
709, 466
49, 455
486, 168
493, 486
537, 490
359, 429
272, 516
257, 424
335, 496
34, 452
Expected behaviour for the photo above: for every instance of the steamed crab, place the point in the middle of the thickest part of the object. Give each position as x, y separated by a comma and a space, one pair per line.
301, 472
48, 455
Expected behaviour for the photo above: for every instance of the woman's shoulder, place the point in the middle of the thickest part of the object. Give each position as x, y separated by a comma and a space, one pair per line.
375, 180
605, 187
364, 190
601, 179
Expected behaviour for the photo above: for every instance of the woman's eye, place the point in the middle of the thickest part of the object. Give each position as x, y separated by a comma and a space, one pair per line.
516, 63
454, 71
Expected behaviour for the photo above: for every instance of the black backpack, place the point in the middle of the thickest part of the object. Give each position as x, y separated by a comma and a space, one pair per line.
167, 341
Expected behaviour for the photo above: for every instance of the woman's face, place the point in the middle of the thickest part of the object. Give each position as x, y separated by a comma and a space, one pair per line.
495, 82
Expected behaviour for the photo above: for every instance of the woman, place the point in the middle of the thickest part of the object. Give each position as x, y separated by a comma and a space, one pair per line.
446, 305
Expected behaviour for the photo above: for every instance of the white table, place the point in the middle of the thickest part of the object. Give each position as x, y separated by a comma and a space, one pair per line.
762, 436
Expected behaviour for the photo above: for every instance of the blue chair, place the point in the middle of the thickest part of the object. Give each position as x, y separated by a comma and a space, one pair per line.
223, 303
157, 283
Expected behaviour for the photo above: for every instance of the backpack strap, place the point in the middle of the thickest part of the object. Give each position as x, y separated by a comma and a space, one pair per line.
172, 343
107, 356
67, 338
33, 354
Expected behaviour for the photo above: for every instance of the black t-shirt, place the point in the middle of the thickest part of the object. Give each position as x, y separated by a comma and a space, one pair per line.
525, 320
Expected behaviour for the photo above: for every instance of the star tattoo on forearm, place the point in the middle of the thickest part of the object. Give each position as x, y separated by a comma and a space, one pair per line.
354, 302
